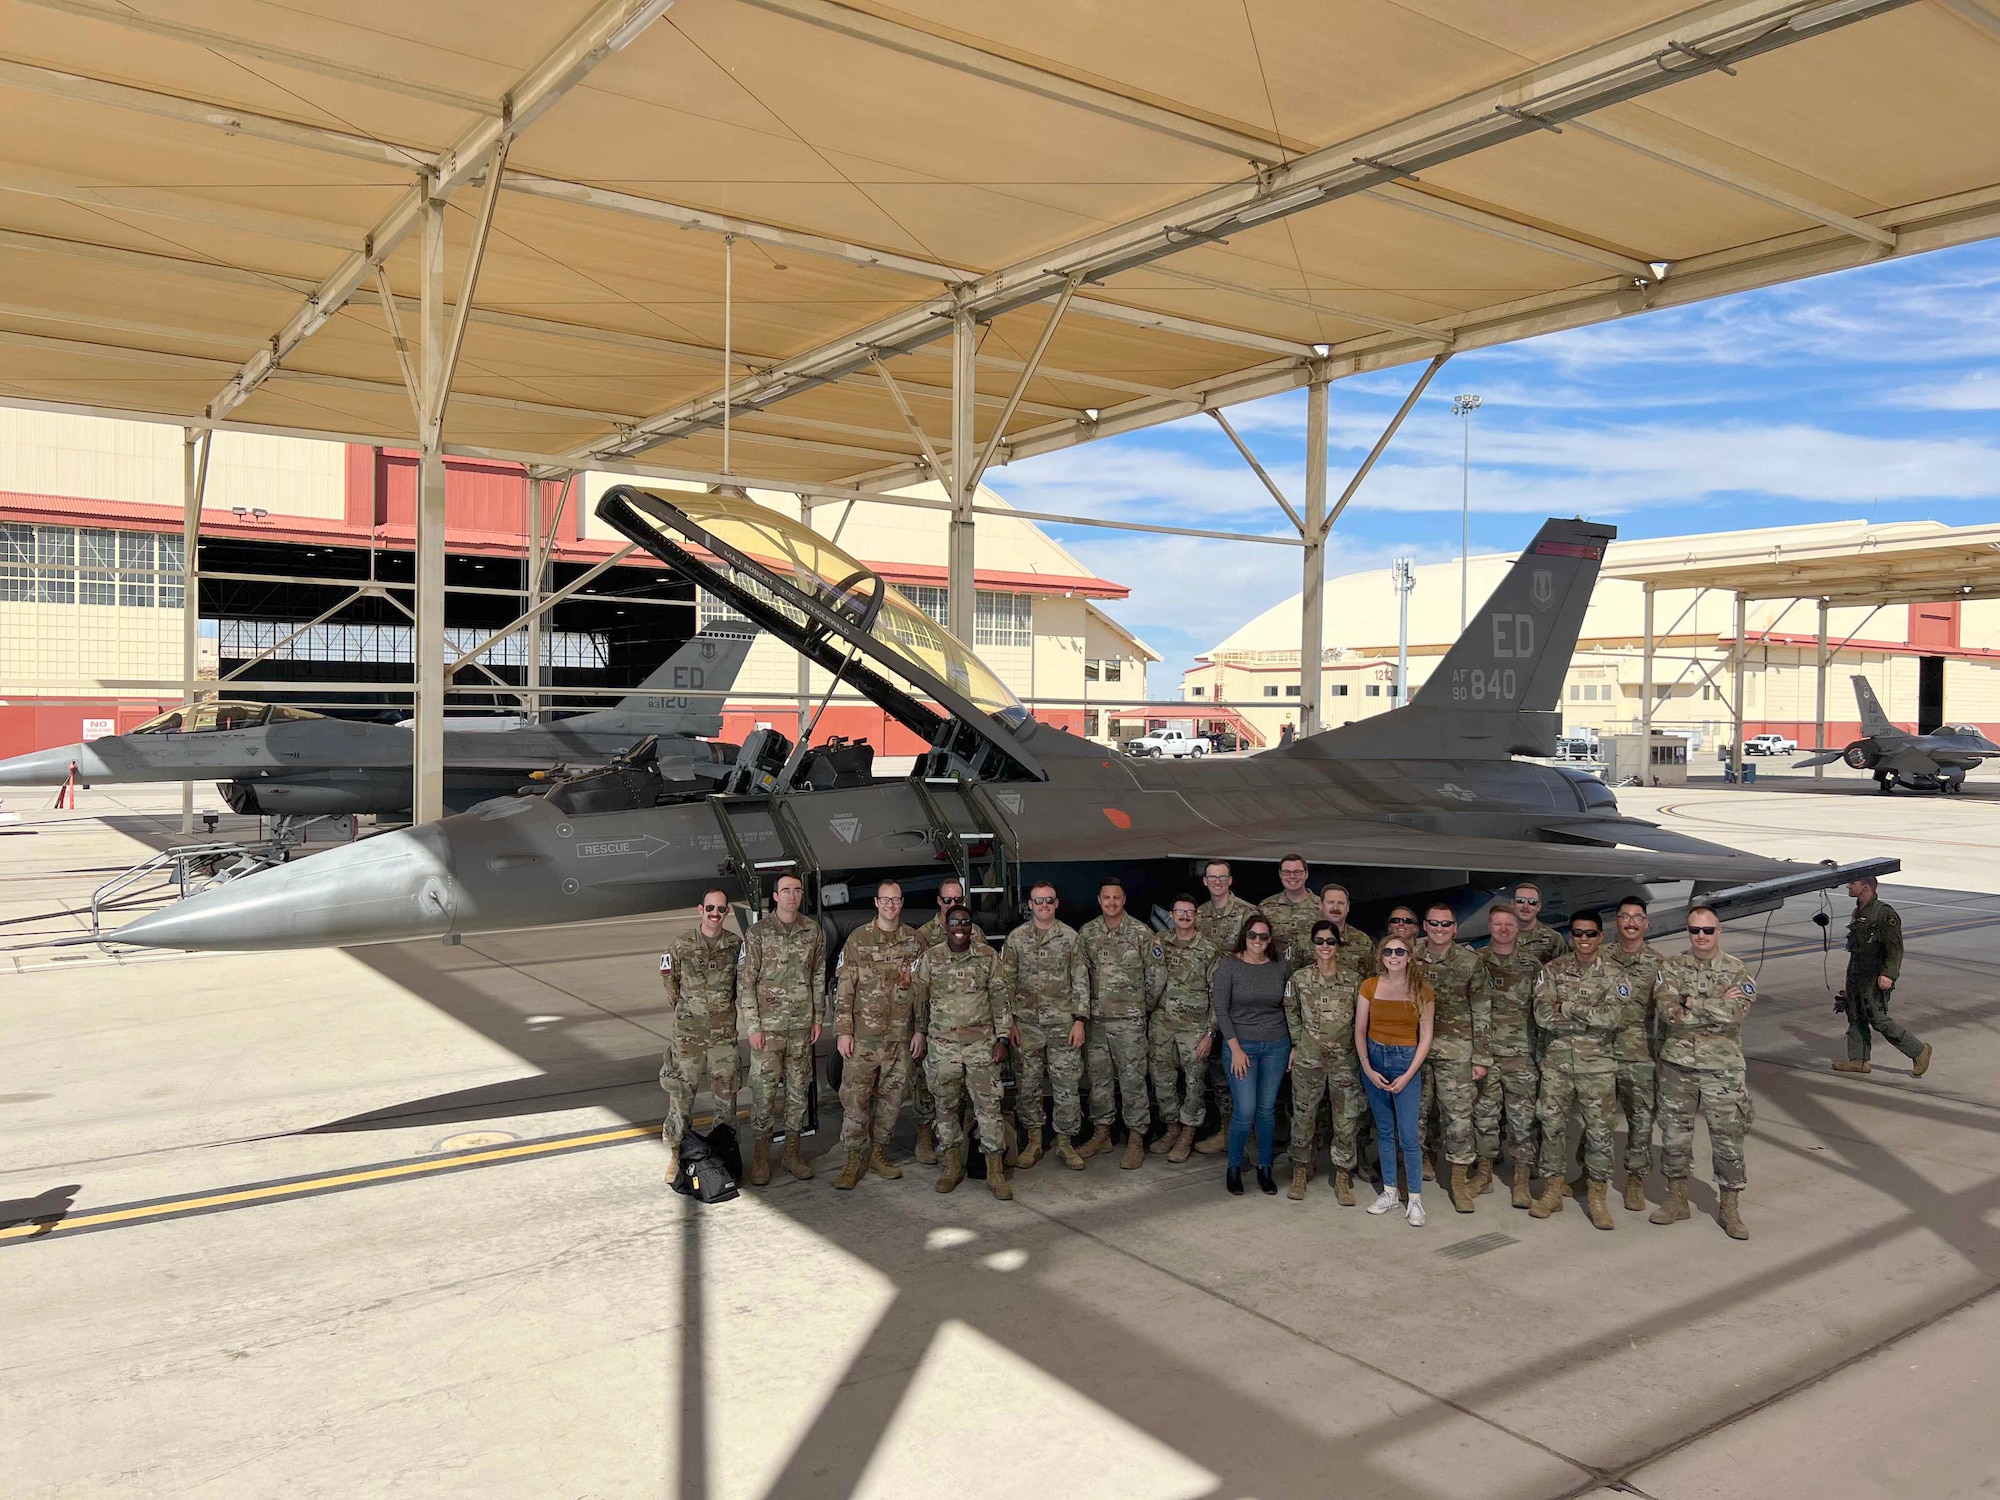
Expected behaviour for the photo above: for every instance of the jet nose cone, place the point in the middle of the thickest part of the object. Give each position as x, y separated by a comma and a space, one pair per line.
48, 767
380, 890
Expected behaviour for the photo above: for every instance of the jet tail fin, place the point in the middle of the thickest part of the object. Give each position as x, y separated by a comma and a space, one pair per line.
1498, 691
665, 703
1874, 723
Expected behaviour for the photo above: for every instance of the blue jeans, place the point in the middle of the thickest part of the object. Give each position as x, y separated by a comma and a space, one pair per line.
1396, 1114
1255, 1096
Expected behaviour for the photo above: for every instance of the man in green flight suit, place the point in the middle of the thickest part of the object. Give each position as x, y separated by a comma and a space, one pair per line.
1874, 964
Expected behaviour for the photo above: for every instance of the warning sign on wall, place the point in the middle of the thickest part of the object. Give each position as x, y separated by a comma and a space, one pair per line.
97, 729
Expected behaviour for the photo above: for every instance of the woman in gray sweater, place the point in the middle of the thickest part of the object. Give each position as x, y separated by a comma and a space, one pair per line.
1249, 998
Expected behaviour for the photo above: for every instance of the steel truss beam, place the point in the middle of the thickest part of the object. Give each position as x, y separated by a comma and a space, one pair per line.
1502, 227
614, 24
1694, 44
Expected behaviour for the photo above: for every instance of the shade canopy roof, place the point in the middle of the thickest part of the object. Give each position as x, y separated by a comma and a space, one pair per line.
195, 197
1916, 562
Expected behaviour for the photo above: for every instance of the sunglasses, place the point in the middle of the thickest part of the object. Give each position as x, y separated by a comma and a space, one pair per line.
718, 911
1395, 952
1704, 931
1257, 937
1402, 921
1588, 932
1041, 901
1326, 942
1527, 901
1434, 922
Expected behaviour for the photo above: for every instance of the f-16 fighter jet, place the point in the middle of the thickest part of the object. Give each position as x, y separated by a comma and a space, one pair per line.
272, 759
1922, 762
1424, 802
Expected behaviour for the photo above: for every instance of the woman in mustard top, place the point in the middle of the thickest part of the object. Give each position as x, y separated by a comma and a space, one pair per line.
1392, 1036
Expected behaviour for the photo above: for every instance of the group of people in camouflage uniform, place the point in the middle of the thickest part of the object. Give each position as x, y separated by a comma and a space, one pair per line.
1523, 1035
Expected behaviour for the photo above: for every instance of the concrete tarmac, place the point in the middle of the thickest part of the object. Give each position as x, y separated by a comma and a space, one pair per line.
390, 1221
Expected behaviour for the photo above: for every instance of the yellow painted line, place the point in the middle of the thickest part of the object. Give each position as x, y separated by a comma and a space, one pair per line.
297, 1187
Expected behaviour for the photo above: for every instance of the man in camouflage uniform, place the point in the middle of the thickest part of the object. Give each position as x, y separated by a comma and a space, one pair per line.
1291, 913
1637, 1080
779, 991
699, 972
1183, 1031
1538, 940
962, 1012
1701, 998
1513, 1083
873, 1025
951, 892
1459, 1058
1874, 964
1580, 1002
1048, 1026
1117, 976
1319, 1011
1219, 919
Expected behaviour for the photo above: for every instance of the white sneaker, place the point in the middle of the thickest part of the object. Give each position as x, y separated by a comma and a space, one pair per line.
1416, 1211
1385, 1202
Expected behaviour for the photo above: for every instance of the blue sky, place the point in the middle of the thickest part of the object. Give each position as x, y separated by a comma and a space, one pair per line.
1874, 393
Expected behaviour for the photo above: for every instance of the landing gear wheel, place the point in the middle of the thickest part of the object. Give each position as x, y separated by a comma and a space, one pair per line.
1885, 781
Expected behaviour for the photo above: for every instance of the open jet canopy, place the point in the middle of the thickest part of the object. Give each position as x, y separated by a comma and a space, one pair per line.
206, 718
833, 609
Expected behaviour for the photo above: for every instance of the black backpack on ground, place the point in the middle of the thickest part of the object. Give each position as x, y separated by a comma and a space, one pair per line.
710, 1165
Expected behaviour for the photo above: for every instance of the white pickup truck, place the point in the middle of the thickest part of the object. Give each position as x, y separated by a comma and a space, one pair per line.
1174, 742
1769, 744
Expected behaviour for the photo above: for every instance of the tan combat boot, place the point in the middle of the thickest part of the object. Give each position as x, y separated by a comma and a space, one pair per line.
1166, 1141
1183, 1144
1011, 1150
926, 1151
1343, 1186
1551, 1200
1482, 1177
1430, 1167
953, 1172
673, 1164
1135, 1149
1100, 1140
1301, 1175
1852, 1067
1031, 1149
1594, 1207
881, 1166
1726, 1215
1921, 1063
795, 1161
850, 1174
1066, 1151
1208, 1145
1522, 1198
1461, 1189
1674, 1206
1635, 1192
760, 1161
996, 1176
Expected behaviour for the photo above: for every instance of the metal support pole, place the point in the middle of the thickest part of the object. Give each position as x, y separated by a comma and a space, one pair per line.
1646, 689
1819, 692
531, 597
194, 480
1405, 581
1736, 655
959, 572
1312, 600
805, 666
427, 790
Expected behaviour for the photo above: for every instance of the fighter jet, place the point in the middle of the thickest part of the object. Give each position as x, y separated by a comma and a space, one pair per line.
1922, 762
1425, 802
288, 762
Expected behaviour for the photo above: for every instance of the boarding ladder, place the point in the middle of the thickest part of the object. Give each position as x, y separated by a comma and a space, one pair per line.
966, 829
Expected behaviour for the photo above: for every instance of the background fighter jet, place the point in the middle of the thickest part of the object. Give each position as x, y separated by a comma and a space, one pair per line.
1424, 802
1922, 762
288, 762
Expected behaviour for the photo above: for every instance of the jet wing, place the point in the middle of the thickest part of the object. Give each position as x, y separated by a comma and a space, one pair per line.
1818, 758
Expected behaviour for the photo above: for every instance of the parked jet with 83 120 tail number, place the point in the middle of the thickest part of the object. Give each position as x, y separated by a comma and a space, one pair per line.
1424, 802
1935, 762
288, 762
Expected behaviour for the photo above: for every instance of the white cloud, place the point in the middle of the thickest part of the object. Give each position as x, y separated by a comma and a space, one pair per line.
1977, 391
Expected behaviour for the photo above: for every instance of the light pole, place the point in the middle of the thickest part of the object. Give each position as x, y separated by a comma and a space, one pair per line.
1404, 580
1463, 407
